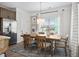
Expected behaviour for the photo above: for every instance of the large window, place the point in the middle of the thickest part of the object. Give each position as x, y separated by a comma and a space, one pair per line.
50, 23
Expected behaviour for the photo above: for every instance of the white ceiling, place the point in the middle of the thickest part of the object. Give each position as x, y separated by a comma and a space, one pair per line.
34, 6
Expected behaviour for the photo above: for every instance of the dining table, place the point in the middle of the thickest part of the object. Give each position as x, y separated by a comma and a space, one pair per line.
48, 37
51, 38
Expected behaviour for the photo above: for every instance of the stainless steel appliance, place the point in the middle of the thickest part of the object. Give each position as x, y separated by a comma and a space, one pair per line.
10, 29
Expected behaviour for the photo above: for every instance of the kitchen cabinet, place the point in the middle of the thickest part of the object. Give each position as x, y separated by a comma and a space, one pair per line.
5, 13
1, 26
8, 17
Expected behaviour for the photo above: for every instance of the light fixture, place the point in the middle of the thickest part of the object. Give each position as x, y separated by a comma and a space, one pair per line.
40, 19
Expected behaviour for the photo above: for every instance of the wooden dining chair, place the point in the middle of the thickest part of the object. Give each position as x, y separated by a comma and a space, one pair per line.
27, 41
42, 44
63, 43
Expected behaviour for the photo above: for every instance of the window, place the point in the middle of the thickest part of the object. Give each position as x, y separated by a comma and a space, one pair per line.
50, 23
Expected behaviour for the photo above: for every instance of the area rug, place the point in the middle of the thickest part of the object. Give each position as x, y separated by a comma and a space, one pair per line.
34, 52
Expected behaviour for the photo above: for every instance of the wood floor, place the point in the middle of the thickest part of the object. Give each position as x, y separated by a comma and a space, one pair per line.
14, 54
19, 51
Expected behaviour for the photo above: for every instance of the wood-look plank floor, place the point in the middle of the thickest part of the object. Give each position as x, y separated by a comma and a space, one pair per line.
14, 54
26, 53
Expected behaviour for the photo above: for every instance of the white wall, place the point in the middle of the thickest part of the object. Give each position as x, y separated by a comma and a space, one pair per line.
78, 30
65, 20
24, 20
74, 30
23, 23
64, 16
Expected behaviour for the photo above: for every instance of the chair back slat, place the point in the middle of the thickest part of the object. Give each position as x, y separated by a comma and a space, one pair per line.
40, 40
63, 41
27, 40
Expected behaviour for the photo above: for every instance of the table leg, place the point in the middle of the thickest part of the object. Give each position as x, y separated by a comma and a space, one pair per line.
51, 48
54, 47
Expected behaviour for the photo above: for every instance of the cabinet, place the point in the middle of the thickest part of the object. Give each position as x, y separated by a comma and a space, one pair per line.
11, 15
1, 26
5, 13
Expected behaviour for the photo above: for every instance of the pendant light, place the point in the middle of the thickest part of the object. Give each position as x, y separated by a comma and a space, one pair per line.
40, 19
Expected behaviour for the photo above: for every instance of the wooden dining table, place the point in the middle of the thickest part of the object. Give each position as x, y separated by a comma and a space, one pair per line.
51, 38
48, 37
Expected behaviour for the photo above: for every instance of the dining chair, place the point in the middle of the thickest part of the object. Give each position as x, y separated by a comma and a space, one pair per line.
27, 40
42, 44
4, 45
63, 43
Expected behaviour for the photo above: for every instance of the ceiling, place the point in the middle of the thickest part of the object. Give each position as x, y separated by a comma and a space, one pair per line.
34, 6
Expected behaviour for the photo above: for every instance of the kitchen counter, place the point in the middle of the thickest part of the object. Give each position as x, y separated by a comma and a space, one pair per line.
13, 37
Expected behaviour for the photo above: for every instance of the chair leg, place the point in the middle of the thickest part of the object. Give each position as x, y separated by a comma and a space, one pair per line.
65, 52
54, 47
45, 52
54, 50
69, 52
24, 45
39, 51
5, 54
31, 48
51, 53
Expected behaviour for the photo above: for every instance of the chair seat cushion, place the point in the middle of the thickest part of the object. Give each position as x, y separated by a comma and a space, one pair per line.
60, 46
